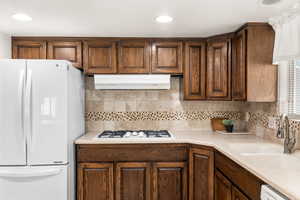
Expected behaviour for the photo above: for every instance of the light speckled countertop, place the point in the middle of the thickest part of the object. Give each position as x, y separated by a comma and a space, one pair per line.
261, 157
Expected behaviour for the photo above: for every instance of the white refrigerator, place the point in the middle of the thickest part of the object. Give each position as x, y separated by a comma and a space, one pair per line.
41, 113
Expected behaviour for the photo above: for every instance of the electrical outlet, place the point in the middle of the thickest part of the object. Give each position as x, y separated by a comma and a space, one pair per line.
272, 123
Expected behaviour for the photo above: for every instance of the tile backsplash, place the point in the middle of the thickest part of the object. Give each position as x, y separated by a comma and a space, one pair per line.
163, 109
259, 119
150, 100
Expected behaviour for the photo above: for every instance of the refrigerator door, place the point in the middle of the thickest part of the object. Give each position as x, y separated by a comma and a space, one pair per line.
46, 112
12, 136
34, 183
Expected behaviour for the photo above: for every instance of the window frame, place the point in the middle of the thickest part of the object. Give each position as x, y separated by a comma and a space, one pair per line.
286, 88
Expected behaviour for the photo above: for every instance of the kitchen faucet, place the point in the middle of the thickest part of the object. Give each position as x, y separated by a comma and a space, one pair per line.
284, 132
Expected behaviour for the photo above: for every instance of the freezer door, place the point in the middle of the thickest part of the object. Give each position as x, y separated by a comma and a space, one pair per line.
34, 183
12, 137
46, 112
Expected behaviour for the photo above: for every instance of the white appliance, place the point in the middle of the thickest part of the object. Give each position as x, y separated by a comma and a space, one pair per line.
267, 193
41, 113
132, 82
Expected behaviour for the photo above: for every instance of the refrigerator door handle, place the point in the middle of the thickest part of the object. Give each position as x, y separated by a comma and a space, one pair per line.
29, 173
21, 99
28, 109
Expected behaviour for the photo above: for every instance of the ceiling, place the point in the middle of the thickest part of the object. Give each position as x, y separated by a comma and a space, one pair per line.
133, 18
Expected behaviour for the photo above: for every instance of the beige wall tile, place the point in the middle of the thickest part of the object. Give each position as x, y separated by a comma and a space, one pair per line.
119, 106
109, 125
93, 126
108, 106
130, 106
94, 106
168, 101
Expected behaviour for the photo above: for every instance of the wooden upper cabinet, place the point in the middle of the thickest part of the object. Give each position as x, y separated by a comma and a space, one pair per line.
194, 71
63, 50
133, 181
218, 69
201, 174
223, 187
254, 75
95, 181
134, 57
100, 57
167, 57
170, 181
28, 49
239, 89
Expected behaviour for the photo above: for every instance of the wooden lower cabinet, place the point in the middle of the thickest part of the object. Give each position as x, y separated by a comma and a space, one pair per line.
133, 181
222, 187
224, 190
201, 174
161, 172
95, 181
170, 181
232, 177
237, 194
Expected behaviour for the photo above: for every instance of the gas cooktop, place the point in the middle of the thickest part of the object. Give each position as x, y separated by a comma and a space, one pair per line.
135, 134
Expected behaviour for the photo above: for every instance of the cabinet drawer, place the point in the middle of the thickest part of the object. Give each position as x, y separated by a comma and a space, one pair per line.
247, 182
130, 152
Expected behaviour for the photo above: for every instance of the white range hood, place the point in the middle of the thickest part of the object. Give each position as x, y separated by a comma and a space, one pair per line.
132, 82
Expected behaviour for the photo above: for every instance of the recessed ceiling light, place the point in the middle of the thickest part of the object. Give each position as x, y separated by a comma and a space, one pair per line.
21, 17
296, 6
269, 2
164, 19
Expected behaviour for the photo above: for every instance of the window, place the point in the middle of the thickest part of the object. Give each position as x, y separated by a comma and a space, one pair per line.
294, 88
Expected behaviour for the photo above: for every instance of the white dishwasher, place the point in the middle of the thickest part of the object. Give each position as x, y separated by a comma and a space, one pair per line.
268, 193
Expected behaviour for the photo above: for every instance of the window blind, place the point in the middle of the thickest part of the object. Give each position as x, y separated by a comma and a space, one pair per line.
294, 88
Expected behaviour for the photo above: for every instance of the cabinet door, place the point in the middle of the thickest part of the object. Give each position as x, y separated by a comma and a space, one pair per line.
194, 71
134, 57
167, 57
133, 181
201, 174
237, 194
239, 66
62, 50
100, 57
170, 181
95, 181
222, 187
218, 70
29, 49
